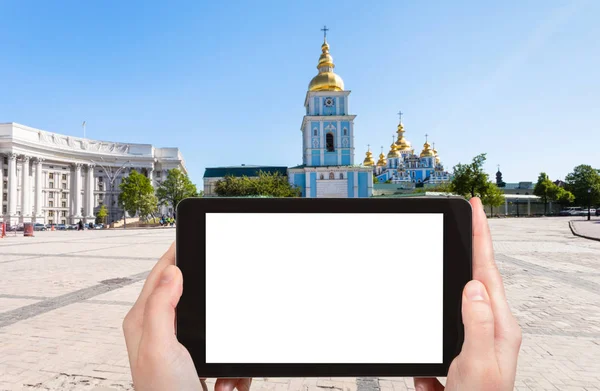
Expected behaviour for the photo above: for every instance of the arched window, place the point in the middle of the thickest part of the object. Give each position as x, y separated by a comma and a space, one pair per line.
322, 177
331, 175
345, 132
315, 132
341, 175
329, 142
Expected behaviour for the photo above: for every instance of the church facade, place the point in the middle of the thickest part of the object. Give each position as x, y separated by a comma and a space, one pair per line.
328, 168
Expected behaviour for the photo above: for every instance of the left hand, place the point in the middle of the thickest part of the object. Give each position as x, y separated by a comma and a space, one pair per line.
157, 360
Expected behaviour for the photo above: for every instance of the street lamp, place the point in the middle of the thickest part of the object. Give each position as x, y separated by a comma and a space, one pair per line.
589, 203
112, 176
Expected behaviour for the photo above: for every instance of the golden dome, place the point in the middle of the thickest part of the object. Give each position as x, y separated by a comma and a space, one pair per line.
369, 159
382, 162
402, 143
326, 80
393, 151
427, 151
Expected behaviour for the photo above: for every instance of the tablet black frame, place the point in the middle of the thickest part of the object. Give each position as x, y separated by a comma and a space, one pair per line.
191, 310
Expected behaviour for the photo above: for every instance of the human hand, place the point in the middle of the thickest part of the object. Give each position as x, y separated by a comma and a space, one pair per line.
488, 359
157, 360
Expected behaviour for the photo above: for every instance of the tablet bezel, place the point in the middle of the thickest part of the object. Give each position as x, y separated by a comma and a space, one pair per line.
191, 312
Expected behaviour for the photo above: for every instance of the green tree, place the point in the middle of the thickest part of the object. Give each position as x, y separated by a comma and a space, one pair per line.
375, 180
578, 182
101, 215
469, 179
266, 184
136, 193
544, 189
561, 195
148, 206
175, 188
492, 196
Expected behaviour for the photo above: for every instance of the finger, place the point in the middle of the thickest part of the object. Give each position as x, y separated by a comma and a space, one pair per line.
478, 319
231, 384
428, 384
159, 313
136, 313
507, 331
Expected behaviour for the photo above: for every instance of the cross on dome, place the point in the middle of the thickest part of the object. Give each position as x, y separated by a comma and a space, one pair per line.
400, 115
324, 30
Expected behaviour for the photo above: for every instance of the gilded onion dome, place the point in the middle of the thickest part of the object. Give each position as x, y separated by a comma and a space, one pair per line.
326, 79
369, 159
427, 151
402, 143
394, 151
382, 162
435, 153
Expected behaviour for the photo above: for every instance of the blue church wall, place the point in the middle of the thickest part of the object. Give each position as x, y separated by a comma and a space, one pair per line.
351, 184
313, 184
331, 159
383, 177
300, 181
341, 105
316, 105
345, 124
362, 184
316, 158
345, 157
314, 125
328, 110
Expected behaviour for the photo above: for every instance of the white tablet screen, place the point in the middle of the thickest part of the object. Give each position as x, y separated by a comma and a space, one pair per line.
324, 288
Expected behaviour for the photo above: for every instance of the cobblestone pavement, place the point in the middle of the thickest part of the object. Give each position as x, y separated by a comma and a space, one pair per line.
63, 296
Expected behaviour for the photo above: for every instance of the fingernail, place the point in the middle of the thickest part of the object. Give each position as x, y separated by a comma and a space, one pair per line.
168, 274
475, 291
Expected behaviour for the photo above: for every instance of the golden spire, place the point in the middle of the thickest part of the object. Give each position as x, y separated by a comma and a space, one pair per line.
382, 162
393, 150
326, 79
426, 149
369, 159
402, 143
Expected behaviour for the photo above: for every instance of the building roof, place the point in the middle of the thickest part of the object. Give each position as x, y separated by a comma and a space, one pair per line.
243, 170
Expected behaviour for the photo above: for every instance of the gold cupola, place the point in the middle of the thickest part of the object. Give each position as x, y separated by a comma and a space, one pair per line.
402, 143
427, 151
394, 151
326, 80
435, 153
369, 159
382, 162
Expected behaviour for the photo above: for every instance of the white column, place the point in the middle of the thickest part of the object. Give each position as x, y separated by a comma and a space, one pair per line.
528, 207
151, 175
90, 193
307, 187
76, 191
505, 206
355, 184
38, 190
339, 142
322, 144
25, 190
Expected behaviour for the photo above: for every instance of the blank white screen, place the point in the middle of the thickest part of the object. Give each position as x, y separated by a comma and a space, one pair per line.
324, 288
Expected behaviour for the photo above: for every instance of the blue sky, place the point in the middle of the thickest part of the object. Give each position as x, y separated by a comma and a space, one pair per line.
226, 81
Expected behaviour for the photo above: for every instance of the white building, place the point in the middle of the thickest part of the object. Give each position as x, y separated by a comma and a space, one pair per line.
51, 178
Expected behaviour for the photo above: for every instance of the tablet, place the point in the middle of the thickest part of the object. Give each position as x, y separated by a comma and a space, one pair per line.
284, 287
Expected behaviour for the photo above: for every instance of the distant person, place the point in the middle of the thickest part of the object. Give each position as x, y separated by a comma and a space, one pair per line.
80, 226
488, 360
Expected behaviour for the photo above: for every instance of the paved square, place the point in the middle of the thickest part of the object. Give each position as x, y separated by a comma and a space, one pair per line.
60, 315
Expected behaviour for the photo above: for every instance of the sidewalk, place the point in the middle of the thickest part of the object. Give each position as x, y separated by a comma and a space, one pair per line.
586, 229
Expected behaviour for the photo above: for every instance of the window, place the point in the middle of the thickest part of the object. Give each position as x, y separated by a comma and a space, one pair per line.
64, 177
64, 196
329, 142
50, 213
51, 185
51, 222
331, 175
6, 172
5, 196
63, 204
315, 132
101, 186
63, 213
322, 177
345, 132
5, 159
5, 185
4, 209
51, 175
341, 175
100, 179
64, 185
51, 195
51, 204
63, 221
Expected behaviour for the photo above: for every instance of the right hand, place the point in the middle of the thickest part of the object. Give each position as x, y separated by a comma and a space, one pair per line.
488, 359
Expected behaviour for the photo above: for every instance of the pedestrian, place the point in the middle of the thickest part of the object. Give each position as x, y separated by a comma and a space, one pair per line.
80, 226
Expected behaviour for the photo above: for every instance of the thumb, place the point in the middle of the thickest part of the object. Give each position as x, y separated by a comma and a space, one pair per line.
478, 319
159, 313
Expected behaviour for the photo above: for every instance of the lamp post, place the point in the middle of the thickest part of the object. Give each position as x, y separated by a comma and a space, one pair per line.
112, 176
589, 203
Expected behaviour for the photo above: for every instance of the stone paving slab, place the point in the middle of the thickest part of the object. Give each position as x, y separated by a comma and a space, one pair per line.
589, 229
60, 325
